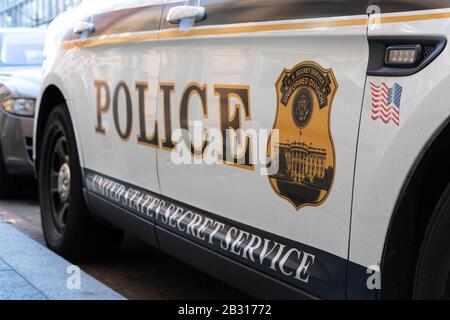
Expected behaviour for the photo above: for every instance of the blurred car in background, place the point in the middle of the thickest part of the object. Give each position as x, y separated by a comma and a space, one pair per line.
21, 58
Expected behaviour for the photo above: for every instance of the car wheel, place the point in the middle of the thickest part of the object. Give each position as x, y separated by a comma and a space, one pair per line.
432, 279
69, 228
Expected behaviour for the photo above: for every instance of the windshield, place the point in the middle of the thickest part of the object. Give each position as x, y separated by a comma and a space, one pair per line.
22, 49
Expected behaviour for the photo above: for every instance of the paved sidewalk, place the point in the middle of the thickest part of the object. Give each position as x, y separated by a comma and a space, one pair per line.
29, 271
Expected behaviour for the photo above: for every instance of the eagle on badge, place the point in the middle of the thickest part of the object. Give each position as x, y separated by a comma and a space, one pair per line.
304, 152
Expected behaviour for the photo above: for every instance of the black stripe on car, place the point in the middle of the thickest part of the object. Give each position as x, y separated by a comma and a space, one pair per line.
298, 265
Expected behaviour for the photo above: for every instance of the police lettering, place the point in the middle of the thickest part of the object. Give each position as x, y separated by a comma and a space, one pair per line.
119, 102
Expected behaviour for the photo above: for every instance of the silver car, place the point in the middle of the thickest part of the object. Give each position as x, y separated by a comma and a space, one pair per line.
21, 58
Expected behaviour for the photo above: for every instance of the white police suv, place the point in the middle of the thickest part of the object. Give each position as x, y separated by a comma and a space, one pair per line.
292, 148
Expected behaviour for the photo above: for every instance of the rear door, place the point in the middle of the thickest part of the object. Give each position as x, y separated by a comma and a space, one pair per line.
289, 76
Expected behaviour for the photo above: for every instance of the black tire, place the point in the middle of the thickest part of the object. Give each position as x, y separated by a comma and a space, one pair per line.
432, 280
69, 228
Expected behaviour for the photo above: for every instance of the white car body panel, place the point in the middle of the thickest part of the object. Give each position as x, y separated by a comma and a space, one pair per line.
387, 153
257, 61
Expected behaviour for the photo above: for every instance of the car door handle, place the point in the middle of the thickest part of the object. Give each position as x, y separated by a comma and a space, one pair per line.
176, 14
84, 27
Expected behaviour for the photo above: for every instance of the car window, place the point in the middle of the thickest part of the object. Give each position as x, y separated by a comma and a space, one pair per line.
22, 49
116, 4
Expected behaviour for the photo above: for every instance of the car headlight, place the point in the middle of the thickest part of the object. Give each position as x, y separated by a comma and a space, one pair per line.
20, 106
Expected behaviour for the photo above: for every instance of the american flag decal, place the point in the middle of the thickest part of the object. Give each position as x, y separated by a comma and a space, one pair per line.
386, 102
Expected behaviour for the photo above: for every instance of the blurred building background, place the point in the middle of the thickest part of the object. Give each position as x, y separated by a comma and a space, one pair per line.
32, 13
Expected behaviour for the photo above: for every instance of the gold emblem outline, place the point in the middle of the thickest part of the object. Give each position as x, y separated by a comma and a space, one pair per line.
330, 105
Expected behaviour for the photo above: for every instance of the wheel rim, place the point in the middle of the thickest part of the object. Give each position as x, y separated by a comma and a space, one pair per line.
60, 178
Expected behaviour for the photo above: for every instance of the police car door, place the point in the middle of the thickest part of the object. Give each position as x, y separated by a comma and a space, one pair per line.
290, 74
118, 60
